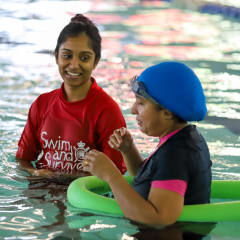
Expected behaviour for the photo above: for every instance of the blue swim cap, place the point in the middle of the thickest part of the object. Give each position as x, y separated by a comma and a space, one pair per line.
177, 88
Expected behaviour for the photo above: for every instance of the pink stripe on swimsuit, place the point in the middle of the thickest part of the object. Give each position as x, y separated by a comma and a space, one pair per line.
178, 186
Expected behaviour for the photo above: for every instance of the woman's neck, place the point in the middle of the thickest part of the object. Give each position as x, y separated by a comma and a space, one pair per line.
173, 128
74, 94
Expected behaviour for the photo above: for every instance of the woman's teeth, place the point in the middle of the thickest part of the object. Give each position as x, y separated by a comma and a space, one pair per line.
74, 74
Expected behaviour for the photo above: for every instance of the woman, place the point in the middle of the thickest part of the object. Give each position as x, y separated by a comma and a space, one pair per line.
178, 172
65, 123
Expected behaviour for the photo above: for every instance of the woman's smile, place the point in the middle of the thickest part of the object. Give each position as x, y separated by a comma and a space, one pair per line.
73, 75
76, 61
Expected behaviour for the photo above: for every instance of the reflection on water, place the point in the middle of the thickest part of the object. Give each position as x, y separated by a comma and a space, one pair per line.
135, 34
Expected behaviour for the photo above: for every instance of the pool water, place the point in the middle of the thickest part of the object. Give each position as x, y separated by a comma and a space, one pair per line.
136, 34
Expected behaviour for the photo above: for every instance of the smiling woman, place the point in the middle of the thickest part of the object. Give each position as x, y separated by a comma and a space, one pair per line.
62, 125
73, 53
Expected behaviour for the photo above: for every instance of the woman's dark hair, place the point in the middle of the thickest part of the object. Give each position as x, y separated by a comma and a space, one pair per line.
80, 24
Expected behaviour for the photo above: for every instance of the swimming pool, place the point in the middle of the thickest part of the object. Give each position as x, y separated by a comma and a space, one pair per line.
135, 35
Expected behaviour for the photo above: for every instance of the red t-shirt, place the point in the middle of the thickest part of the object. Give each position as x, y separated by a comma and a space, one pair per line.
58, 133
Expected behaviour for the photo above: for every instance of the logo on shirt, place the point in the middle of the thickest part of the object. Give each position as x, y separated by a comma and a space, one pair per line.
60, 154
81, 151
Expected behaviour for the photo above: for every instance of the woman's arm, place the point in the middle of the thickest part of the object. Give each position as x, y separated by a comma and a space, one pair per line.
133, 160
122, 140
109, 118
28, 145
27, 166
163, 207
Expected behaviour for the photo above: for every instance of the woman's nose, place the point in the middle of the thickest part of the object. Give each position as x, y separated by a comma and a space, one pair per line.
74, 63
134, 108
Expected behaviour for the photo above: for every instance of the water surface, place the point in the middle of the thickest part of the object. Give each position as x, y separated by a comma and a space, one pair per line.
136, 34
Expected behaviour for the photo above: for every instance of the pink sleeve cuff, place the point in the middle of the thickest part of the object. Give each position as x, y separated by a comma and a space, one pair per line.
178, 186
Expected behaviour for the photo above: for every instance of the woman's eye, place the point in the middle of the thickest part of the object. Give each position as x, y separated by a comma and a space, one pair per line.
66, 56
84, 58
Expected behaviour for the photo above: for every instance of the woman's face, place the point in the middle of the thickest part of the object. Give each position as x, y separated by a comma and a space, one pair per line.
151, 120
76, 61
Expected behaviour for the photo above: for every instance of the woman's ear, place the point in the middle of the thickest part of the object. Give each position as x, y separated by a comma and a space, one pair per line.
168, 115
96, 62
56, 57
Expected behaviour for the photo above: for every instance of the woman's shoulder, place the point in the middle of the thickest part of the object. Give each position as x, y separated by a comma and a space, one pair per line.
102, 96
189, 135
44, 100
181, 143
48, 95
